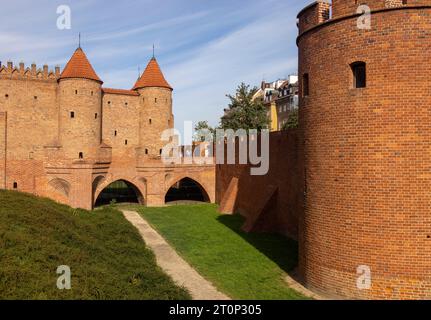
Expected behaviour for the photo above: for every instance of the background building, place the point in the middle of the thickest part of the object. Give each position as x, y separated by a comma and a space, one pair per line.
280, 98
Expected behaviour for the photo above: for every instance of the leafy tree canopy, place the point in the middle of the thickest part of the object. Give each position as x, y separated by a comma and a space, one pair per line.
243, 112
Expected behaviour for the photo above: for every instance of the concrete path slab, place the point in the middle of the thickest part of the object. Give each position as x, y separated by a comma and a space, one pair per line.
180, 271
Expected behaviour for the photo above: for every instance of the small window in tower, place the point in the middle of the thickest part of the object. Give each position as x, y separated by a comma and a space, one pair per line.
359, 74
125, 142
150, 121
126, 104
109, 102
76, 91
6, 96
81, 155
305, 85
115, 133
155, 100
160, 151
15, 185
35, 97
146, 151
72, 114
91, 92
95, 116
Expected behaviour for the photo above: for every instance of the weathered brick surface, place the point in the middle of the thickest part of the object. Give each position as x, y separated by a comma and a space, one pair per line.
367, 154
3, 121
270, 202
40, 143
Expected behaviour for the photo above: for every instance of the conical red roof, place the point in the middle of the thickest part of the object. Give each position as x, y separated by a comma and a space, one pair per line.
79, 67
152, 77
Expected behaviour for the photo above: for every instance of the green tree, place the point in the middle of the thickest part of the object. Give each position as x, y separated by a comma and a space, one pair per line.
292, 120
202, 129
243, 112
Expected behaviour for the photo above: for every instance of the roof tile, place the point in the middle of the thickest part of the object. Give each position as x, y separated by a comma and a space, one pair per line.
120, 91
152, 77
79, 67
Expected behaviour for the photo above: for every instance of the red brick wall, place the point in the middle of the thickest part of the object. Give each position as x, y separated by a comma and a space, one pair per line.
3, 121
313, 14
43, 141
367, 156
285, 176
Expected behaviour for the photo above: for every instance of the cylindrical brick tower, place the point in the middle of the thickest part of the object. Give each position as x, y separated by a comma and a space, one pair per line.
365, 114
156, 112
80, 109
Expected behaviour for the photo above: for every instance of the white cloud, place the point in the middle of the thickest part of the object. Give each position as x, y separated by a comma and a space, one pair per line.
246, 55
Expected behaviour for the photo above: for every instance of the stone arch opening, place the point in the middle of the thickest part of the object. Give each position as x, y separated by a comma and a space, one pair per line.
186, 189
119, 191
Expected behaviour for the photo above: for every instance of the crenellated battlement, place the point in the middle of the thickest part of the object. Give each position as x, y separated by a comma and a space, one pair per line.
11, 71
314, 14
342, 8
322, 11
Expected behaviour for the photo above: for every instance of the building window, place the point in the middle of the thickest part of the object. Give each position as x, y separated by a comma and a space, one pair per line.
160, 151
115, 133
35, 97
95, 116
15, 185
305, 85
150, 121
109, 102
76, 91
125, 142
6, 96
126, 104
146, 151
72, 114
359, 74
81, 155
91, 92
155, 100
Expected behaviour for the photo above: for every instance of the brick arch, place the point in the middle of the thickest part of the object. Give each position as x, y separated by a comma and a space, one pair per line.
171, 180
99, 180
139, 185
61, 189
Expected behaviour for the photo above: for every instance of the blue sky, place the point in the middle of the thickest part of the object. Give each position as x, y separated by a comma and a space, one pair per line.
205, 48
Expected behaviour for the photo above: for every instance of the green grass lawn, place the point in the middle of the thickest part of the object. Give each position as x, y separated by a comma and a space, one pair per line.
244, 266
107, 257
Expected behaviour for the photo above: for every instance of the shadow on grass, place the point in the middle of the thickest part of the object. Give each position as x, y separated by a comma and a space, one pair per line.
280, 249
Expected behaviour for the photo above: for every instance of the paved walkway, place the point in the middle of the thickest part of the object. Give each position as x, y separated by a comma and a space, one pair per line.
180, 271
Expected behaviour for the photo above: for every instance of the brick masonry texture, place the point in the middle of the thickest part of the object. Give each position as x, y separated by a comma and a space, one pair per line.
271, 202
367, 151
353, 183
65, 137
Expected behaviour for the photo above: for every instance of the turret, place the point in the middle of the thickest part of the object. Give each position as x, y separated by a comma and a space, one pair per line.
80, 109
156, 113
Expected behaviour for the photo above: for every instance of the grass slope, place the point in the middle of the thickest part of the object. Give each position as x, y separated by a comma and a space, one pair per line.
107, 257
245, 266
